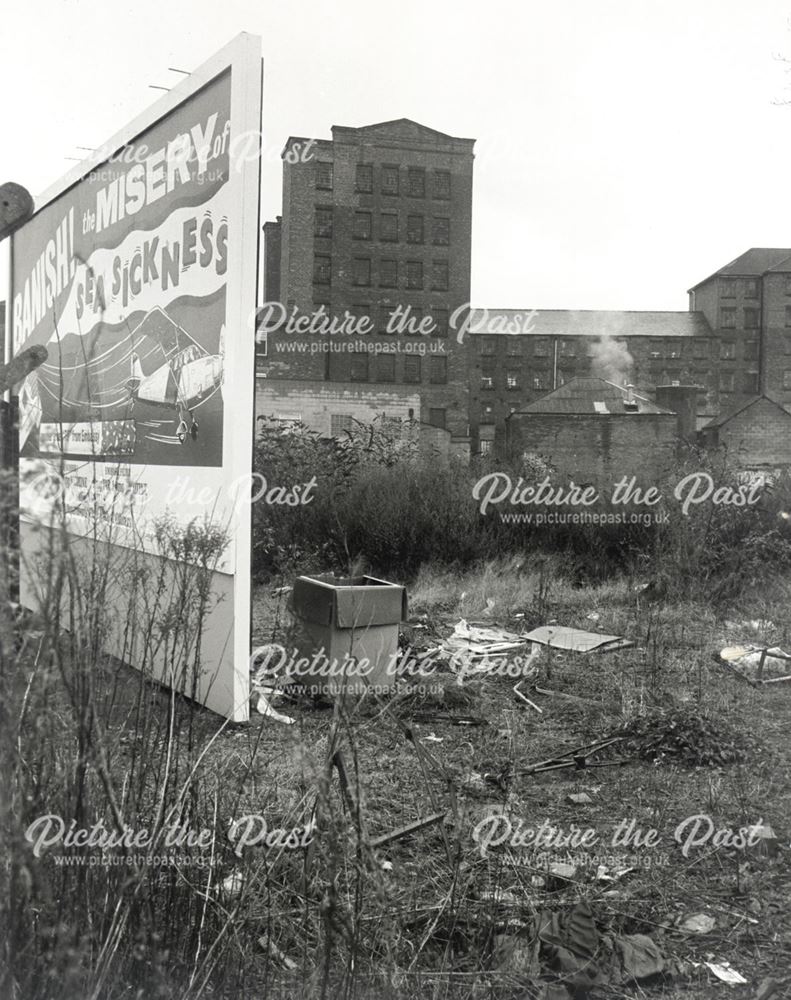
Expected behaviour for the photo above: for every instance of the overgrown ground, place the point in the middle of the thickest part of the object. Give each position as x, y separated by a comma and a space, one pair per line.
462, 924
429, 914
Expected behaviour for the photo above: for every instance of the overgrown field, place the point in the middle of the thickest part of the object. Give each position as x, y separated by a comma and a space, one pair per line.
381, 846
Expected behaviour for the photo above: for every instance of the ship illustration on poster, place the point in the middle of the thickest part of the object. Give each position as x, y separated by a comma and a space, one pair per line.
187, 377
152, 393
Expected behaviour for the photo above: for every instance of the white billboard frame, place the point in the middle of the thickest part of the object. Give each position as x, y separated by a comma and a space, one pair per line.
242, 57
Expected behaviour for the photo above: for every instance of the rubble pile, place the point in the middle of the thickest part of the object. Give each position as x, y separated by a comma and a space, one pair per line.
688, 736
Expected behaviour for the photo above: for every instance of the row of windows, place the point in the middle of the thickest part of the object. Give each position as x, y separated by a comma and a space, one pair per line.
730, 286
384, 368
672, 348
723, 381
751, 318
388, 227
407, 319
411, 274
392, 180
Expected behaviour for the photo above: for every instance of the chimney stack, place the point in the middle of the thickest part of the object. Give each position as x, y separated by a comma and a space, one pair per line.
683, 401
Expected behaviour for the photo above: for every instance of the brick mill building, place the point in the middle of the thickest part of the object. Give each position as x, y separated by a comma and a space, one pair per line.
376, 223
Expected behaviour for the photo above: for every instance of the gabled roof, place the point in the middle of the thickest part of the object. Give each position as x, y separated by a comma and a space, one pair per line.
727, 415
590, 396
599, 323
753, 264
400, 126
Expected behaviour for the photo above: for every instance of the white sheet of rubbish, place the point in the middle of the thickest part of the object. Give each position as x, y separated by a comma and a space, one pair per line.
264, 708
726, 972
748, 659
576, 640
481, 641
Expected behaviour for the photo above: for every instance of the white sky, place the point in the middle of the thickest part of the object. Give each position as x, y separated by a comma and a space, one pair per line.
624, 149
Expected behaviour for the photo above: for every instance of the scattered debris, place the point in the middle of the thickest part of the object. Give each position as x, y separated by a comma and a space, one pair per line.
725, 972
481, 642
563, 694
232, 885
432, 738
687, 735
579, 799
640, 955
700, 923
576, 758
755, 661
263, 707
766, 840
560, 874
525, 699
268, 945
576, 640
278, 591
405, 831
594, 616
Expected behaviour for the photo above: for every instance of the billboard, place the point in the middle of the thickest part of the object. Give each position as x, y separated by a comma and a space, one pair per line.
138, 274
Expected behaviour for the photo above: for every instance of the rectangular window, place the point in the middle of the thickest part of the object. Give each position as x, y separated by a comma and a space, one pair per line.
436, 417
751, 319
512, 379
385, 367
438, 371
788, 284
487, 413
540, 381
513, 347
361, 271
568, 348
726, 381
541, 347
322, 269
439, 275
488, 370
414, 229
323, 221
487, 345
787, 379
728, 317
389, 226
388, 273
750, 288
385, 314
389, 180
324, 175
727, 350
485, 447
727, 288
414, 274
340, 422
440, 231
751, 382
441, 184
657, 347
364, 178
412, 368
751, 350
700, 349
359, 367
416, 182
440, 316
411, 324
787, 344
788, 315
362, 226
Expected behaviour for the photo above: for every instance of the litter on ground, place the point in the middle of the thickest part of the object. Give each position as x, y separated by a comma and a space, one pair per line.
576, 640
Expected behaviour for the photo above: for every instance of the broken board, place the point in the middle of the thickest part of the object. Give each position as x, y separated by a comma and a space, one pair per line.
576, 640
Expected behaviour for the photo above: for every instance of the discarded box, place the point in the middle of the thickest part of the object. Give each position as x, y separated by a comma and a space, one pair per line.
348, 632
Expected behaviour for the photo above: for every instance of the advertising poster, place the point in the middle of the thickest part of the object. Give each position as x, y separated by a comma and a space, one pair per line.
139, 278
